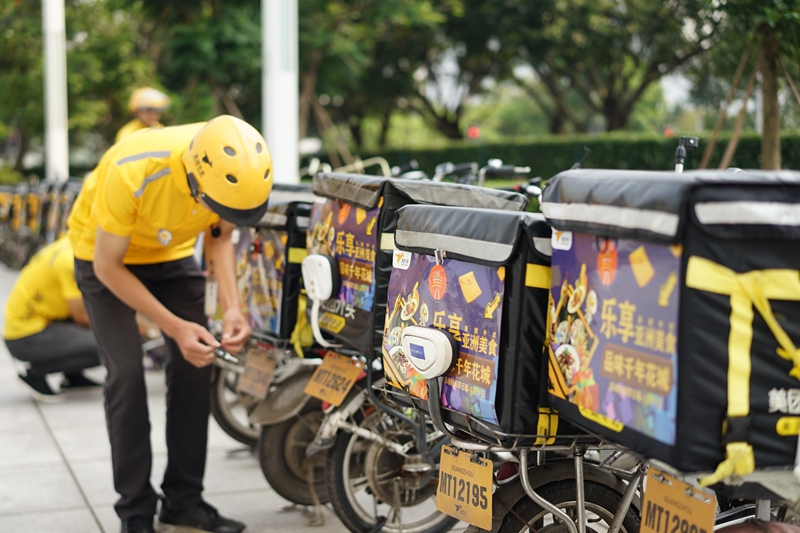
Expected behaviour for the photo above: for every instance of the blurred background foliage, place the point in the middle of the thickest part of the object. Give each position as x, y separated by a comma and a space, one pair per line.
404, 76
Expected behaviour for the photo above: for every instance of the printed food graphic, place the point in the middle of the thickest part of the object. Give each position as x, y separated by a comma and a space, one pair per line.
612, 334
463, 299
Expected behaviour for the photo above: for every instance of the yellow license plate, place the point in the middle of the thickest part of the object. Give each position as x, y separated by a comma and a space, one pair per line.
259, 369
672, 506
334, 378
465, 487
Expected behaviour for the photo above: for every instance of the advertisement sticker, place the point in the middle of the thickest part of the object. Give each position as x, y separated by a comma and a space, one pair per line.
455, 296
613, 332
268, 264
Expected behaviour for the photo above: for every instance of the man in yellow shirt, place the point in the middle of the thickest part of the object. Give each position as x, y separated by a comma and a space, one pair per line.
46, 324
146, 104
132, 229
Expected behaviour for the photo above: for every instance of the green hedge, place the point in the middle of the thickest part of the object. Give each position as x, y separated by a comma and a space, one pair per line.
548, 155
551, 154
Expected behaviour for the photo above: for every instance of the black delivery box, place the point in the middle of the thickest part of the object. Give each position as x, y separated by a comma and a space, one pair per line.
356, 223
675, 313
484, 276
280, 248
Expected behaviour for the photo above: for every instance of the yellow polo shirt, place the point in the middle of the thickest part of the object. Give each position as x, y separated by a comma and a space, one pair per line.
40, 294
132, 127
139, 190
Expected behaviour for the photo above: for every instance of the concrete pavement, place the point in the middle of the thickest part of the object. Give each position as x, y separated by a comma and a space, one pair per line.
55, 466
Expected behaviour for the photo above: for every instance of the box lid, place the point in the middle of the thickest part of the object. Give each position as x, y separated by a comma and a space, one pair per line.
365, 191
281, 200
484, 235
654, 205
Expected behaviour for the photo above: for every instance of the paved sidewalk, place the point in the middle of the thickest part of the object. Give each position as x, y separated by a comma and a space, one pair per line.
55, 466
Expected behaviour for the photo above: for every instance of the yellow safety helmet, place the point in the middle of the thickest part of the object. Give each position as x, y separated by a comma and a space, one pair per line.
148, 98
229, 167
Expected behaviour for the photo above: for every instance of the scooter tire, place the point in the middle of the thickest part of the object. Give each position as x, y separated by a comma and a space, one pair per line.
600, 500
221, 409
281, 453
346, 510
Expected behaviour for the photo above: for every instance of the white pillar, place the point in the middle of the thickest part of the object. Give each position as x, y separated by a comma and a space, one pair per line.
56, 142
280, 97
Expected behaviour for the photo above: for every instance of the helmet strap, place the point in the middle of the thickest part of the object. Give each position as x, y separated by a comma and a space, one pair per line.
194, 187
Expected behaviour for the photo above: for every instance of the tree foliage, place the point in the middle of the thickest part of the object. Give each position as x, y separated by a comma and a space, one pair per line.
103, 63
208, 53
608, 52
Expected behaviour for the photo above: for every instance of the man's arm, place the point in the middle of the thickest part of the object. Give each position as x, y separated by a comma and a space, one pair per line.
78, 312
195, 342
221, 261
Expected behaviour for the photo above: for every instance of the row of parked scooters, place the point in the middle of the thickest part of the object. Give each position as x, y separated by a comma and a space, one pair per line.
623, 361
426, 352
32, 215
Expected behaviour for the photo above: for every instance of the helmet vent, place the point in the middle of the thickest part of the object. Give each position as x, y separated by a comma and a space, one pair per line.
230, 151
266, 175
259, 148
231, 179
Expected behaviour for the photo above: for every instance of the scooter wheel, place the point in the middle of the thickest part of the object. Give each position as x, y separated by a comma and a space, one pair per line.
282, 455
601, 504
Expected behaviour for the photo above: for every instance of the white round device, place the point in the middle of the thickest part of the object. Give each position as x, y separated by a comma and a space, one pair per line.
430, 351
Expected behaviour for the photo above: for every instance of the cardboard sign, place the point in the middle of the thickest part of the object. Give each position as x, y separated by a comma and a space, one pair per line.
672, 506
259, 369
334, 378
465, 487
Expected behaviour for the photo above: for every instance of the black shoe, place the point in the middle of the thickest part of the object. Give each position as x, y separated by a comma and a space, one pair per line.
138, 524
203, 518
40, 389
78, 381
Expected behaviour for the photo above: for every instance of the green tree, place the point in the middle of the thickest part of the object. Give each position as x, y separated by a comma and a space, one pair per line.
474, 50
362, 54
103, 63
609, 52
776, 24
209, 55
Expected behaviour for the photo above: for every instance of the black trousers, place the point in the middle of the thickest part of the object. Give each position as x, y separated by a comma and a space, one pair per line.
180, 286
60, 347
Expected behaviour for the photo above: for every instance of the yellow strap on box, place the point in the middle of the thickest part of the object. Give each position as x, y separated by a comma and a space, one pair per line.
296, 255
537, 276
547, 425
302, 336
746, 290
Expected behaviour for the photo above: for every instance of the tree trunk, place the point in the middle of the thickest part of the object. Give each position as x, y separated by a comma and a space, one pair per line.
308, 81
557, 121
24, 142
616, 115
355, 133
771, 138
449, 127
385, 123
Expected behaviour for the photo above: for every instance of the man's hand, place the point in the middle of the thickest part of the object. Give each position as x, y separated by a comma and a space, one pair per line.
235, 330
196, 343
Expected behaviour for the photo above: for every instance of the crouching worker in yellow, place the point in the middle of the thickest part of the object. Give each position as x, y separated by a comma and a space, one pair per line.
46, 324
133, 229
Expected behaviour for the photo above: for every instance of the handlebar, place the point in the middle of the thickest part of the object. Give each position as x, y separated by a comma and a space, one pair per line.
444, 170
507, 171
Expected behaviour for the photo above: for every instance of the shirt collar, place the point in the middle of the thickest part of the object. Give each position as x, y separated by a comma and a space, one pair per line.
178, 172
